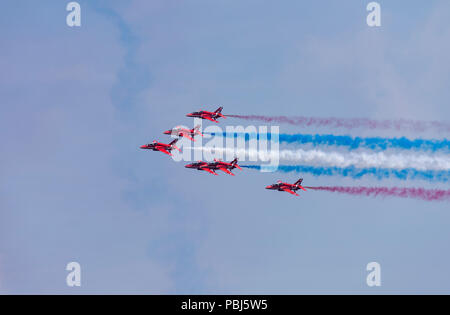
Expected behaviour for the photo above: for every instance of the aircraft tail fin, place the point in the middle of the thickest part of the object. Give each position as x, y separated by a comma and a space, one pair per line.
173, 146
173, 142
299, 182
234, 163
218, 113
197, 130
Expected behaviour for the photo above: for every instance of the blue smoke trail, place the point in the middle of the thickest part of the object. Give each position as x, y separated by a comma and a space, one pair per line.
357, 173
352, 143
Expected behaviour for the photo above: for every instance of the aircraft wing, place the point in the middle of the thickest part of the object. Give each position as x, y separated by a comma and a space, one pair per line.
164, 151
290, 191
226, 171
209, 171
209, 118
188, 137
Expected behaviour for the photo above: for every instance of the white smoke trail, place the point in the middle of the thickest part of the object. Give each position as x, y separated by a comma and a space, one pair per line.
356, 159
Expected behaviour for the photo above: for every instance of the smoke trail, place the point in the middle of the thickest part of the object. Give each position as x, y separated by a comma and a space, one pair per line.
373, 143
366, 160
352, 143
417, 193
358, 173
337, 159
351, 123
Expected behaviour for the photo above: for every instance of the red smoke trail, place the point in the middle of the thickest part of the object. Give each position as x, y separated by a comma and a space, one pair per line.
351, 123
417, 193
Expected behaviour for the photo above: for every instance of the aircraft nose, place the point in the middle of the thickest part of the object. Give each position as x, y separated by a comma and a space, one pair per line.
189, 115
268, 187
188, 166
143, 146
167, 132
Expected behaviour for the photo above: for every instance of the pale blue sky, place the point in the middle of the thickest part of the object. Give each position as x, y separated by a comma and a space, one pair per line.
76, 103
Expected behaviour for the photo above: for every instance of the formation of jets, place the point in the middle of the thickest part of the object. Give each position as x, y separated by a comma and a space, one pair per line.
217, 165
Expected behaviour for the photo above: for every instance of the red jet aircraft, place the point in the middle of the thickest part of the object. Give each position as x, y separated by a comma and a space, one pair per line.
164, 148
290, 188
216, 165
201, 166
203, 114
224, 166
183, 132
